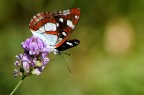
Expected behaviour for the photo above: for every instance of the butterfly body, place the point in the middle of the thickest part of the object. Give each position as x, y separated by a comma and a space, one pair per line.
55, 28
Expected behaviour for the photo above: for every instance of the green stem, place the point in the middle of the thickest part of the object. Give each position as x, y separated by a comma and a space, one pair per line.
17, 86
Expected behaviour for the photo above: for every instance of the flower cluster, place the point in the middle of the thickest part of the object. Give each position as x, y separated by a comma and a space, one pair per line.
34, 58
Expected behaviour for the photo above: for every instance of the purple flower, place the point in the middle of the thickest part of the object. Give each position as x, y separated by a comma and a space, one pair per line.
34, 58
34, 46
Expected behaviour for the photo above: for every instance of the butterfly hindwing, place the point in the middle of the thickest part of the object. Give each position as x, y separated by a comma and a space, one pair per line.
68, 44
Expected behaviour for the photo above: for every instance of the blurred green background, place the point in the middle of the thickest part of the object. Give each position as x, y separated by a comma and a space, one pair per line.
108, 61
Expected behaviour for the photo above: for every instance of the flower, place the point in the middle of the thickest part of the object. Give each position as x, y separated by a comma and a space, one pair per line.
34, 58
34, 46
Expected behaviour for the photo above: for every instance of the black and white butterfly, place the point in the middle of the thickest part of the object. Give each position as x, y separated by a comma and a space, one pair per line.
54, 28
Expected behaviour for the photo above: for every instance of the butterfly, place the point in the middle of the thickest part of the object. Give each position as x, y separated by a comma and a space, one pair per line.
54, 28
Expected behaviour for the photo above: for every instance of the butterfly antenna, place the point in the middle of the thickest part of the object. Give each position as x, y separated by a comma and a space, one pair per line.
66, 53
66, 62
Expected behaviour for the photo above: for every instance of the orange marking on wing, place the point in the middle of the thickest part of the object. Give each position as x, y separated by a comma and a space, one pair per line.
74, 21
41, 19
67, 29
75, 11
51, 32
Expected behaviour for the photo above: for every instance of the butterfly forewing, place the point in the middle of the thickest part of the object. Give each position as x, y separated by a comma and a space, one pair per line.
66, 22
43, 25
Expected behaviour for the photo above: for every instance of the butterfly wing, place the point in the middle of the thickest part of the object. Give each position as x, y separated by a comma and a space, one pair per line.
44, 26
66, 22
68, 44
55, 28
